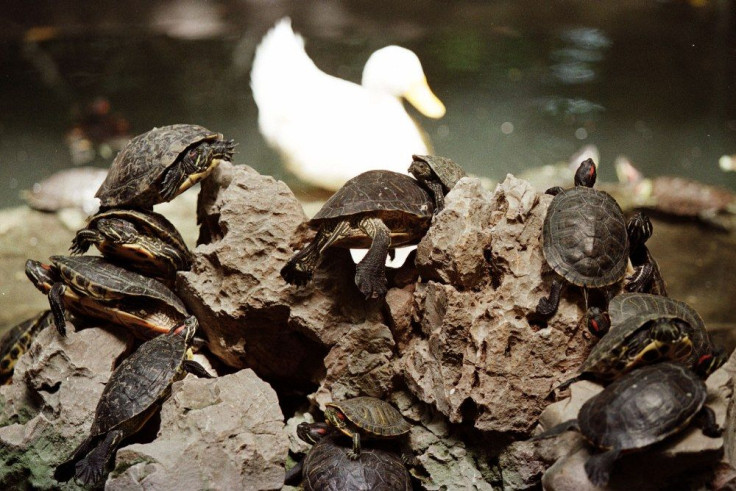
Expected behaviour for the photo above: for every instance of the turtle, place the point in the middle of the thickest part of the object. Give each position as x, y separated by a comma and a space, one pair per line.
90, 286
365, 416
134, 392
379, 209
328, 467
142, 240
584, 238
646, 329
644, 407
438, 174
158, 165
647, 278
17, 340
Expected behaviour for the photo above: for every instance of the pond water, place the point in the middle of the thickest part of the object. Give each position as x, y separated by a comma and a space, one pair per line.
526, 83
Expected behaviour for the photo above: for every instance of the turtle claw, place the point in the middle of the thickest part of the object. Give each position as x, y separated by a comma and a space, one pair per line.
372, 285
545, 307
88, 472
295, 275
352, 454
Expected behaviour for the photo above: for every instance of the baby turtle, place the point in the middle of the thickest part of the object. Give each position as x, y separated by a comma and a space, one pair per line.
158, 165
378, 209
647, 329
89, 286
438, 174
638, 410
135, 391
369, 417
17, 340
647, 278
328, 468
144, 240
584, 238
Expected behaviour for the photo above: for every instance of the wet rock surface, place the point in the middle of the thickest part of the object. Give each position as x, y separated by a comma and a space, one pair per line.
453, 345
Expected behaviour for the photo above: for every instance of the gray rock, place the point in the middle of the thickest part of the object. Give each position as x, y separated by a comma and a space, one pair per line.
222, 433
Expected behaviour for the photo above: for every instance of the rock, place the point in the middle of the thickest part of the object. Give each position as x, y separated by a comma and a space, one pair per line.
49, 407
478, 358
221, 433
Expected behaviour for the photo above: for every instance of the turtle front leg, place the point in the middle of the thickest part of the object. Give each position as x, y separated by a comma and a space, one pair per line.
438, 194
547, 306
176, 179
642, 277
668, 330
91, 468
195, 368
706, 421
84, 239
55, 296
354, 453
599, 466
370, 274
299, 269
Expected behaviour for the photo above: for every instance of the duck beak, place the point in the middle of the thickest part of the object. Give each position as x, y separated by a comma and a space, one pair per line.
421, 97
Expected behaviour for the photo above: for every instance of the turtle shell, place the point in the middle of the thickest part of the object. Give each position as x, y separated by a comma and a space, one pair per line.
141, 164
372, 415
17, 340
147, 222
642, 408
139, 383
94, 276
328, 468
584, 237
446, 170
379, 192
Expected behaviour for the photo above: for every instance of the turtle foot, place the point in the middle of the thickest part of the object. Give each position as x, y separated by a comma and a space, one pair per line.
353, 455
295, 275
545, 307
89, 471
372, 285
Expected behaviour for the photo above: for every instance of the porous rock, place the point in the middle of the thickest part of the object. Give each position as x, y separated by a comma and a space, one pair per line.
221, 433
480, 357
49, 407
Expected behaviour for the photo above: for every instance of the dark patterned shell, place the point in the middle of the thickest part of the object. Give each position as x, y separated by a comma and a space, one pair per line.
377, 191
143, 161
151, 223
373, 415
95, 272
642, 408
585, 239
446, 170
17, 340
328, 468
141, 380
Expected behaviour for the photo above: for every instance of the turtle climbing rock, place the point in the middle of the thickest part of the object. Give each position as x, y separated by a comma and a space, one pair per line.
377, 209
144, 241
438, 174
647, 278
158, 165
646, 329
90, 286
17, 340
135, 391
327, 466
584, 238
368, 417
643, 408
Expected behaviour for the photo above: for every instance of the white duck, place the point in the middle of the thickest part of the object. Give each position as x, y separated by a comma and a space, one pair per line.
329, 130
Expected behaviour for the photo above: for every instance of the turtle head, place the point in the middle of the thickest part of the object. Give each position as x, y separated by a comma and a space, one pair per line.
427, 168
335, 417
119, 231
43, 276
598, 321
586, 173
420, 168
639, 229
187, 329
312, 432
710, 362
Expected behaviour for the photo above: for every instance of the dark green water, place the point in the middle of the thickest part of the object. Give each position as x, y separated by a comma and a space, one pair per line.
525, 83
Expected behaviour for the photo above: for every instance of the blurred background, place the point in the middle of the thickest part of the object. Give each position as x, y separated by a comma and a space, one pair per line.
525, 83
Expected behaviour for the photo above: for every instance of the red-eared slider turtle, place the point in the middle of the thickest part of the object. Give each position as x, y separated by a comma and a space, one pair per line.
638, 410
369, 417
584, 237
158, 165
136, 389
438, 174
90, 286
17, 340
647, 277
328, 467
377, 209
143, 240
647, 329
